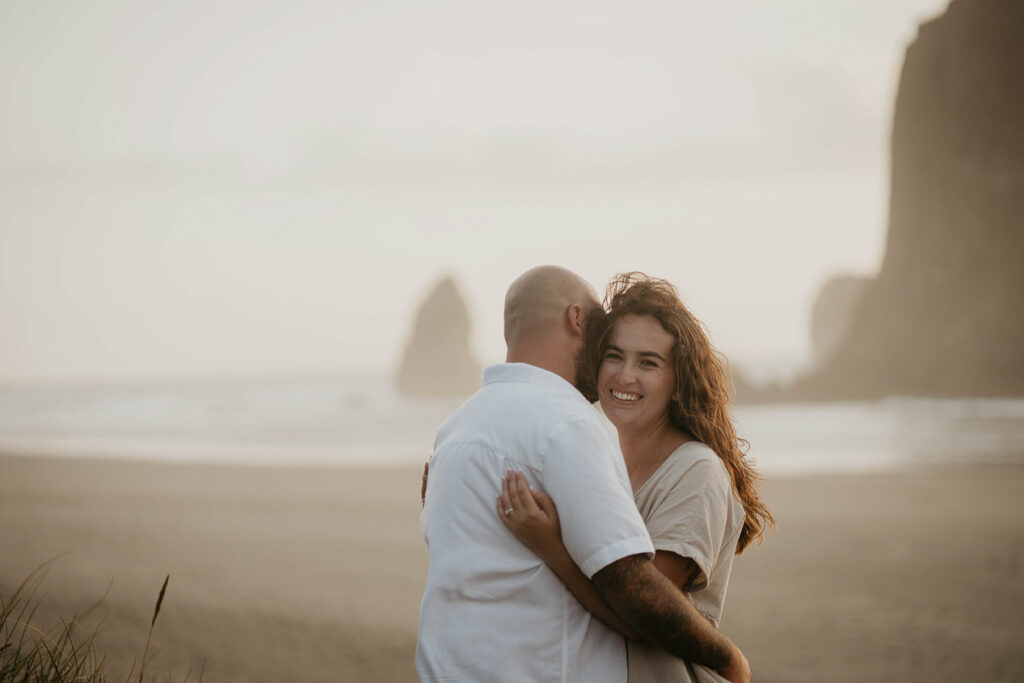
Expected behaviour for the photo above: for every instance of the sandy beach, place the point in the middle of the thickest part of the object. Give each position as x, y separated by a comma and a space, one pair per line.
295, 574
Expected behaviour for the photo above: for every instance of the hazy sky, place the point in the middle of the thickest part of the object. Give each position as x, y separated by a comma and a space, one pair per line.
252, 188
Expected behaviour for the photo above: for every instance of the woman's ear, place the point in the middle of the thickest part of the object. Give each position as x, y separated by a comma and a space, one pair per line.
677, 394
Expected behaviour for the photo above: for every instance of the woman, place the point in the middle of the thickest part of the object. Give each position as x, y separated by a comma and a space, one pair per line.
666, 390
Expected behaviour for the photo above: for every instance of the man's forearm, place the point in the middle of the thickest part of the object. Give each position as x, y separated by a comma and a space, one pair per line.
583, 589
660, 612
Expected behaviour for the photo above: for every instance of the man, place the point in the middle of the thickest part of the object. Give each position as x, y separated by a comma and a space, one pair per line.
492, 611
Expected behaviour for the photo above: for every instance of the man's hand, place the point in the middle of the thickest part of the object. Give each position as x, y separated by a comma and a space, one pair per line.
738, 670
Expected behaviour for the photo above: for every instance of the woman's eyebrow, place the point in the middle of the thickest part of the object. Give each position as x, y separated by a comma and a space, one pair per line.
642, 354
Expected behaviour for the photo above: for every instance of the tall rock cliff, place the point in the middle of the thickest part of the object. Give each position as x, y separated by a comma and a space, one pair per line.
833, 311
945, 315
437, 359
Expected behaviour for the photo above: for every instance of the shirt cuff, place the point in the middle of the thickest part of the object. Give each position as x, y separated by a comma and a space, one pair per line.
638, 545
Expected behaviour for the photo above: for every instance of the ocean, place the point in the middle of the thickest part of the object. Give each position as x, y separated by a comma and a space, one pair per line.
361, 420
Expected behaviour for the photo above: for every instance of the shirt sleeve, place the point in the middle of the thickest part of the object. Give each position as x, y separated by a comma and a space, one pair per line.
585, 475
690, 517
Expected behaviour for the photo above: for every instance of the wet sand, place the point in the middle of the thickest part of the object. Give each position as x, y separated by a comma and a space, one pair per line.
292, 574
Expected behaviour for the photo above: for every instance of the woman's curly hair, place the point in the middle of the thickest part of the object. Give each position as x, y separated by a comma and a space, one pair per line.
700, 405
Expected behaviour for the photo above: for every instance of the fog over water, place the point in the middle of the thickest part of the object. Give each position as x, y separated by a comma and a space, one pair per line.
258, 189
352, 420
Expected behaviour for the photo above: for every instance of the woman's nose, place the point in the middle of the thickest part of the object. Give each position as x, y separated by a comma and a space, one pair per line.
626, 373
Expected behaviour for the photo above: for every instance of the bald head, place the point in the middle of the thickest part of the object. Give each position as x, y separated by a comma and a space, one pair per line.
540, 297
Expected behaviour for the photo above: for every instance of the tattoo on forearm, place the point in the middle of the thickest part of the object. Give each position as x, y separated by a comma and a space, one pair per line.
655, 608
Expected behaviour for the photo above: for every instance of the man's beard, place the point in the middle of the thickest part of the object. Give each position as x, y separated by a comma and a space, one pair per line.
595, 326
586, 383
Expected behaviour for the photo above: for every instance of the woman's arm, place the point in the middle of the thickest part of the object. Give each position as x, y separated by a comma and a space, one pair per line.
533, 519
423, 486
681, 571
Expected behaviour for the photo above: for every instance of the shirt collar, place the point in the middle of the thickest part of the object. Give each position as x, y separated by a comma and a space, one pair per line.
524, 372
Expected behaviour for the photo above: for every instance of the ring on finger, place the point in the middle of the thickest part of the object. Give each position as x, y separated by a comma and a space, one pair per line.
508, 511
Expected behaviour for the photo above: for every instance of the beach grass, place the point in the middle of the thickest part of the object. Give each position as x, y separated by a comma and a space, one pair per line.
63, 652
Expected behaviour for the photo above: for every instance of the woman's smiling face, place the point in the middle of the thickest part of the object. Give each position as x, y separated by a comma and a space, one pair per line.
636, 378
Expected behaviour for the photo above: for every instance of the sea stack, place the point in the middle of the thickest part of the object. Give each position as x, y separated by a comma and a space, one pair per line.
945, 315
437, 361
834, 309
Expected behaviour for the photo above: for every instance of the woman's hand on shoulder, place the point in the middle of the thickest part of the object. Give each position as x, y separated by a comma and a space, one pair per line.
530, 515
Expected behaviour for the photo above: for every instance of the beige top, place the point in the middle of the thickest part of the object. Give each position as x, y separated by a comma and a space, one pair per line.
690, 509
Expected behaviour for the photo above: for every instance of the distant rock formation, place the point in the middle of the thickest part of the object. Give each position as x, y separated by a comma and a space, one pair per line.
945, 316
833, 311
746, 390
437, 359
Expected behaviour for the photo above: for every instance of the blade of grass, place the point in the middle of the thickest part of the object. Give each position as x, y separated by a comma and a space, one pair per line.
156, 613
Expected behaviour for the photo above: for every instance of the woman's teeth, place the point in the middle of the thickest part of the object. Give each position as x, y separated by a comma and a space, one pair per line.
624, 396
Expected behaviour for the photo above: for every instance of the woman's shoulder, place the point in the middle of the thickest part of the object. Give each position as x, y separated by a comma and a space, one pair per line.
693, 475
694, 453
695, 460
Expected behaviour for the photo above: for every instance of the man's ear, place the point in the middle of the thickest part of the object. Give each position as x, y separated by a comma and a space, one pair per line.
575, 317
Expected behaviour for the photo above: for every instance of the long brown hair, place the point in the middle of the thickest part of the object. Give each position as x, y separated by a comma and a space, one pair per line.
700, 405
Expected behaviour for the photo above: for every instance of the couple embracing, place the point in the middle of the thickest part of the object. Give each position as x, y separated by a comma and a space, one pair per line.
556, 556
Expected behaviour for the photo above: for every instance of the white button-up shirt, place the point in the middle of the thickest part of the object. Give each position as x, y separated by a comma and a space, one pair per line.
492, 611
